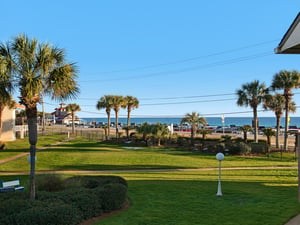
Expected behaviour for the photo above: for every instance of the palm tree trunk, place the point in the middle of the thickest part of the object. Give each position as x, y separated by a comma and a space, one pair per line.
32, 131
277, 131
255, 124
108, 125
117, 130
245, 137
128, 122
73, 124
286, 121
192, 134
1, 110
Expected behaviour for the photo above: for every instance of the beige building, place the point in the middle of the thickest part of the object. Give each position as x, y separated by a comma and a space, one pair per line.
8, 125
9, 129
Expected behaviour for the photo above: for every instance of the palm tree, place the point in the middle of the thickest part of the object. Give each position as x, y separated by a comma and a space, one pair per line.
276, 103
286, 80
72, 109
117, 104
160, 131
194, 120
269, 132
38, 69
130, 103
145, 129
246, 129
252, 94
105, 102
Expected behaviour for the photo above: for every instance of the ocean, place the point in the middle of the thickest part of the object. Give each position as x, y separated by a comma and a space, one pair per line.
212, 121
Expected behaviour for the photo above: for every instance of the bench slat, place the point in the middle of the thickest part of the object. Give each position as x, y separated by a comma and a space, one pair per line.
10, 183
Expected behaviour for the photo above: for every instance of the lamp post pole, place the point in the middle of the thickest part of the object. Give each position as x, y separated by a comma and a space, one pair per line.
219, 157
223, 121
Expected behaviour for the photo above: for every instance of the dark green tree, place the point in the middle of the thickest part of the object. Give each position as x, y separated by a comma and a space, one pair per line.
37, 69
252, 94
286, 81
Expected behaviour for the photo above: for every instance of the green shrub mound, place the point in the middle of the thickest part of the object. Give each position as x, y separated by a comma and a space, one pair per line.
77, 199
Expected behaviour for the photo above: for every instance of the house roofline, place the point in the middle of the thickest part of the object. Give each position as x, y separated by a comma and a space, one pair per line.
286, 36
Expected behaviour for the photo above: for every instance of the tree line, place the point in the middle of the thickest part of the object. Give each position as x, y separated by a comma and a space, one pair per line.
116, 102
256, 93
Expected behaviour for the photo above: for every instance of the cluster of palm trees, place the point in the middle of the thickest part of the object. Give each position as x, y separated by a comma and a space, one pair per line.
158, 131
116, 102
255, 93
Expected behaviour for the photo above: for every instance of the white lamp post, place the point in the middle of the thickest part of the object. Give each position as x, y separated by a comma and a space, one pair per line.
223, 121
219, 157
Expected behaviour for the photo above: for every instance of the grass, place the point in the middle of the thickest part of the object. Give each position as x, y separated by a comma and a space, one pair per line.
256, 196
81, 154
22, 145
184, 198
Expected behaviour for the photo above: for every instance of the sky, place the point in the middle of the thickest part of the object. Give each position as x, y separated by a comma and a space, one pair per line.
176, 57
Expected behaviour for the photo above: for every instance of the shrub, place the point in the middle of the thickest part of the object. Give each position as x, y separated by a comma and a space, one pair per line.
11, 208
240, 148
54, 214
2, 146
113, 196
83, 200
49, 182
259, 148
94, 181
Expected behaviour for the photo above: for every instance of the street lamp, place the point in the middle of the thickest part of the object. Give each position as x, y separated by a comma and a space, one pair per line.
219, 157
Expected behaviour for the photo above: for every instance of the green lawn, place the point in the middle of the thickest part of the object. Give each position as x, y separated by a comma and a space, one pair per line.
22, 145
84, 155
182, 197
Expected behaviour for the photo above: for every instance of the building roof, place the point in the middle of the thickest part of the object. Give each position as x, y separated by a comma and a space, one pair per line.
290, 43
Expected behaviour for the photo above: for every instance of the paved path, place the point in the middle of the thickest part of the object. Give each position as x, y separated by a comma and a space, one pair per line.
294, 221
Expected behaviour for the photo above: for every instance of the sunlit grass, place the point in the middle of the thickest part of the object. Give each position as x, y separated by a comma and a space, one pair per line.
80, 154
181, 195
22, 145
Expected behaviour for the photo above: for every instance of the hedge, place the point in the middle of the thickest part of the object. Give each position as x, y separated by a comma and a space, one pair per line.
82, 198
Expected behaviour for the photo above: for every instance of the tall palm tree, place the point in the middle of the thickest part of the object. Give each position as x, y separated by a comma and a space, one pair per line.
252, 94
38, 68
105, 102
117, 104
276, 103
72, 109
130, 103
194, 120
286, 81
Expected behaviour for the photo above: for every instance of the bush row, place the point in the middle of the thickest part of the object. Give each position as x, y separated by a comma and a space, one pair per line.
80, 199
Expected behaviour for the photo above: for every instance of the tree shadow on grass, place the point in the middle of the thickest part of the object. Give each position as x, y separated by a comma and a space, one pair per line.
101, 167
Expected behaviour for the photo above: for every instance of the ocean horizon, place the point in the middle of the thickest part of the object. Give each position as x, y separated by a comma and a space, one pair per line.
212, 121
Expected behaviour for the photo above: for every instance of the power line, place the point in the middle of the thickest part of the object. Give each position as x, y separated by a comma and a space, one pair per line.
210, 65
188, 59
176, 103
176, 97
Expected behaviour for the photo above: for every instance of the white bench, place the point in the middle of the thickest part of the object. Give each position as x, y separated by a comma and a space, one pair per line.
10, 186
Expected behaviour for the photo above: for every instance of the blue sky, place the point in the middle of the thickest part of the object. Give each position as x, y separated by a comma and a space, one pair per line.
174, 56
